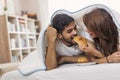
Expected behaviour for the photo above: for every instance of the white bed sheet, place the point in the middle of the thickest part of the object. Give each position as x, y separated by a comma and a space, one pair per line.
71, 72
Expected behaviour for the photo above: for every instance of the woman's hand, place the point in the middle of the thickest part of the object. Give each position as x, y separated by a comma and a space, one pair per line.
92, 51
51, 33
89, 49
115, 57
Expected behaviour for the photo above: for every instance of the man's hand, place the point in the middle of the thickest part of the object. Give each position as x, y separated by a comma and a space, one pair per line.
51, 33
51, 61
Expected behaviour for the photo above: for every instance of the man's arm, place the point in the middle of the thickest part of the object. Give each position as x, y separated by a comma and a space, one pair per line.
51, 60
99, 61
63, 59
74, 59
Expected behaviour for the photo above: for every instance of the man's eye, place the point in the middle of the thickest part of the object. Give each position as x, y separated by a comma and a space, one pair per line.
69, 31
75, 28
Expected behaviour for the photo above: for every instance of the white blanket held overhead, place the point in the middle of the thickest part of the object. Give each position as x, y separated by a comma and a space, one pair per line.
35, 61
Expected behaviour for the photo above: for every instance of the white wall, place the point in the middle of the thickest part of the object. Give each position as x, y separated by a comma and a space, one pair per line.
74, 5
10, 6
17, 7
44, 15
40, 7
1, 6
29, 6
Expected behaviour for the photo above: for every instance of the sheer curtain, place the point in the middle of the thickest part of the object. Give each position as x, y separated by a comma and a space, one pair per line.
43, 7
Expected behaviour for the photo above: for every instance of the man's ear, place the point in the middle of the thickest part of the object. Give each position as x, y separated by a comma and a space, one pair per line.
59, 35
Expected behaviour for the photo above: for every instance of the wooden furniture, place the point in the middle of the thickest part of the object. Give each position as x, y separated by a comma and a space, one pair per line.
18, 37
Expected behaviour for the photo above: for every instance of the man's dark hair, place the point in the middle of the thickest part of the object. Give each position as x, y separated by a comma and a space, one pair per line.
60, 21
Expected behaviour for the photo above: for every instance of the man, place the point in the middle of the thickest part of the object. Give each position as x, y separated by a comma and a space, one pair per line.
61, 46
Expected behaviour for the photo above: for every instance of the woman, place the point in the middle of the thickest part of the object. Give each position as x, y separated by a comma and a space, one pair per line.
104, 32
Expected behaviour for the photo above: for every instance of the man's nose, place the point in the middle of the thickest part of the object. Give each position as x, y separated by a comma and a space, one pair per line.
74, 31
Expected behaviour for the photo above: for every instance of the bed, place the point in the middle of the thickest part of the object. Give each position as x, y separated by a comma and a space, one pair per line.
33, 67
72, 72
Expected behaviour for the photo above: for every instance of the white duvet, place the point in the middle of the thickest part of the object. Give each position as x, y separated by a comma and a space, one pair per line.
72, 72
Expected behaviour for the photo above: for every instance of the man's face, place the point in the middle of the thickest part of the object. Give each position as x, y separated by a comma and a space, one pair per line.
68, 33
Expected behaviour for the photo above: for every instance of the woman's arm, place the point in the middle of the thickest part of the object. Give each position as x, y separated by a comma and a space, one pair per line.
114, 58
90, 50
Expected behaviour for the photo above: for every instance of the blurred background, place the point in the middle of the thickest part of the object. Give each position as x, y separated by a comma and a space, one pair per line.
45, 8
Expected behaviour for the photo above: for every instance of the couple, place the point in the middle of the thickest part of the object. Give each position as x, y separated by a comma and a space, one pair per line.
62, 48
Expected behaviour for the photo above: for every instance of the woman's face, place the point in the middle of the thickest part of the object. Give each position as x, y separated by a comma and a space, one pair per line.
91, 33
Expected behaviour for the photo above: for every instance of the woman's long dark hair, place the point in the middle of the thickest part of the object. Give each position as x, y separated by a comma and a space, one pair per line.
101, 23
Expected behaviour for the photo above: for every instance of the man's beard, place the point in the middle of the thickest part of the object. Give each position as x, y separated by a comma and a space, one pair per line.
68, 42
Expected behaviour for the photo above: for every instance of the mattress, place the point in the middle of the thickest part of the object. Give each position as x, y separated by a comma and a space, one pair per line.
71, 72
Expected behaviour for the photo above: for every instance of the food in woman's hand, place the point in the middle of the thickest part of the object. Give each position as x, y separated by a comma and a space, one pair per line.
80, 40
